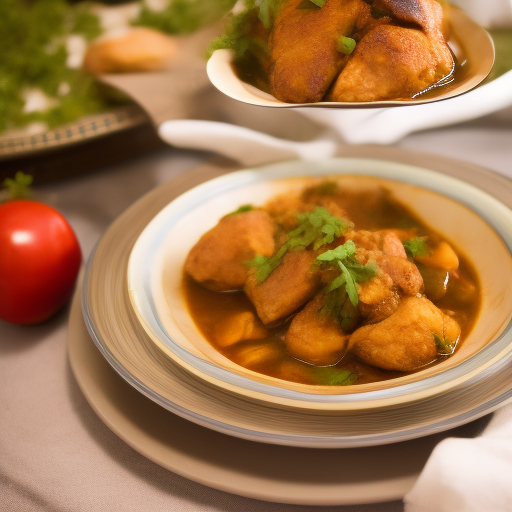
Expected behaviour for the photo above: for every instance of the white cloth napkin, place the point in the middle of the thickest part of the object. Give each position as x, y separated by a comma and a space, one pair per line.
468, 475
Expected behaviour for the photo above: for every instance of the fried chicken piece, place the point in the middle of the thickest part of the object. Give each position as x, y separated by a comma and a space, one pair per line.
385, 248
405, 341
218, 260
285, 208
378, 298
304, 58
314, 337
389, 63
395, 62
287, 288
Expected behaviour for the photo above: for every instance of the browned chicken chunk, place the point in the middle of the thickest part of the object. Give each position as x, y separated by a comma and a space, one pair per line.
390, 62
405, 341
287, 288
385, 248
400, 50
314, 337
378, 298
218, 260
304, 58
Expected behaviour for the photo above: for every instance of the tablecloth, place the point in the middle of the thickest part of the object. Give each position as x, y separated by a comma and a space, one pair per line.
55, 453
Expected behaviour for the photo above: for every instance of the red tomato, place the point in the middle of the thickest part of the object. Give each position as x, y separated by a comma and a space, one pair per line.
39, 261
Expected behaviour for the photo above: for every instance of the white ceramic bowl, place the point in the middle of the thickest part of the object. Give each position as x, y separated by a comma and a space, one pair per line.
473, 220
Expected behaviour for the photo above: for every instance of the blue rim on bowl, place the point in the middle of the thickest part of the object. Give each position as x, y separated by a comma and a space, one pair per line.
149, 258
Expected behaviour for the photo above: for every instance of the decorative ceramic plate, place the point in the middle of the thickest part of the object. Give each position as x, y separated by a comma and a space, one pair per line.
116, 330
264, 472
86, 128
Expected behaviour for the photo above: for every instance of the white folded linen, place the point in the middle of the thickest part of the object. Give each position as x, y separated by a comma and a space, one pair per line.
468, 475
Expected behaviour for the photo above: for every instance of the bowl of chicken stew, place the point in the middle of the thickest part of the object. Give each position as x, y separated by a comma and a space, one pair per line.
328, 283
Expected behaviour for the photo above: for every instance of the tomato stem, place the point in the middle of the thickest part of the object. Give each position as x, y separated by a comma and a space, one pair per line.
19, 186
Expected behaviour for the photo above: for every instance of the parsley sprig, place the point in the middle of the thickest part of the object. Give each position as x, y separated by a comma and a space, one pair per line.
241, 209
341, 295
316, 229
352, 272
416, 247
237, 35
331, 376
444, 346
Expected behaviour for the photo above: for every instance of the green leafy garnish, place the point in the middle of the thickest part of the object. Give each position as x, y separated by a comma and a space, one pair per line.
19, 186
242, 209
184, 16
238, 32
345, 45
444, 345
316, 229
416, 247
352, 272
236, 36
330, 376
34, 56
319, 3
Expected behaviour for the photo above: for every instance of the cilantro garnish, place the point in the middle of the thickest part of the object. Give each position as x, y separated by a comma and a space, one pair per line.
341, 295
330, 376
242, 209
345, 45
184, 16
416, 247
444, 345
352, 272
237, 35
319, 3
316, 229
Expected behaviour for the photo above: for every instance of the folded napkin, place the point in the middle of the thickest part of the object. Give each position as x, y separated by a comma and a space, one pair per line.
468, 475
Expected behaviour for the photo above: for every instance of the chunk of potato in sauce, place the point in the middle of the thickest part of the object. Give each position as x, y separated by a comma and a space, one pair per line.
264, 351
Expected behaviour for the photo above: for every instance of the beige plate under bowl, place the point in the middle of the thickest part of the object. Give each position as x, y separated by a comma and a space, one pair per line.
265, 472
472, 220
470, 43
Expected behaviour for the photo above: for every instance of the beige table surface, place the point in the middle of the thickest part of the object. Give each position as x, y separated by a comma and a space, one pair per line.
55, 453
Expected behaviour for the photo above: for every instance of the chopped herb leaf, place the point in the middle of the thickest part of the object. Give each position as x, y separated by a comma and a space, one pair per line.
184, 16
352, 272
330, 376
444, 345
319, 3
345, 45
235, 37
338, 305
266, 265
316, 229
416, 247
307, 5
34, 57
242, 209
238, 32
267, 10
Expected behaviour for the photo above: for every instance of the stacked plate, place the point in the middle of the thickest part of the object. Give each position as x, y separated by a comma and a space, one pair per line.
134, 313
